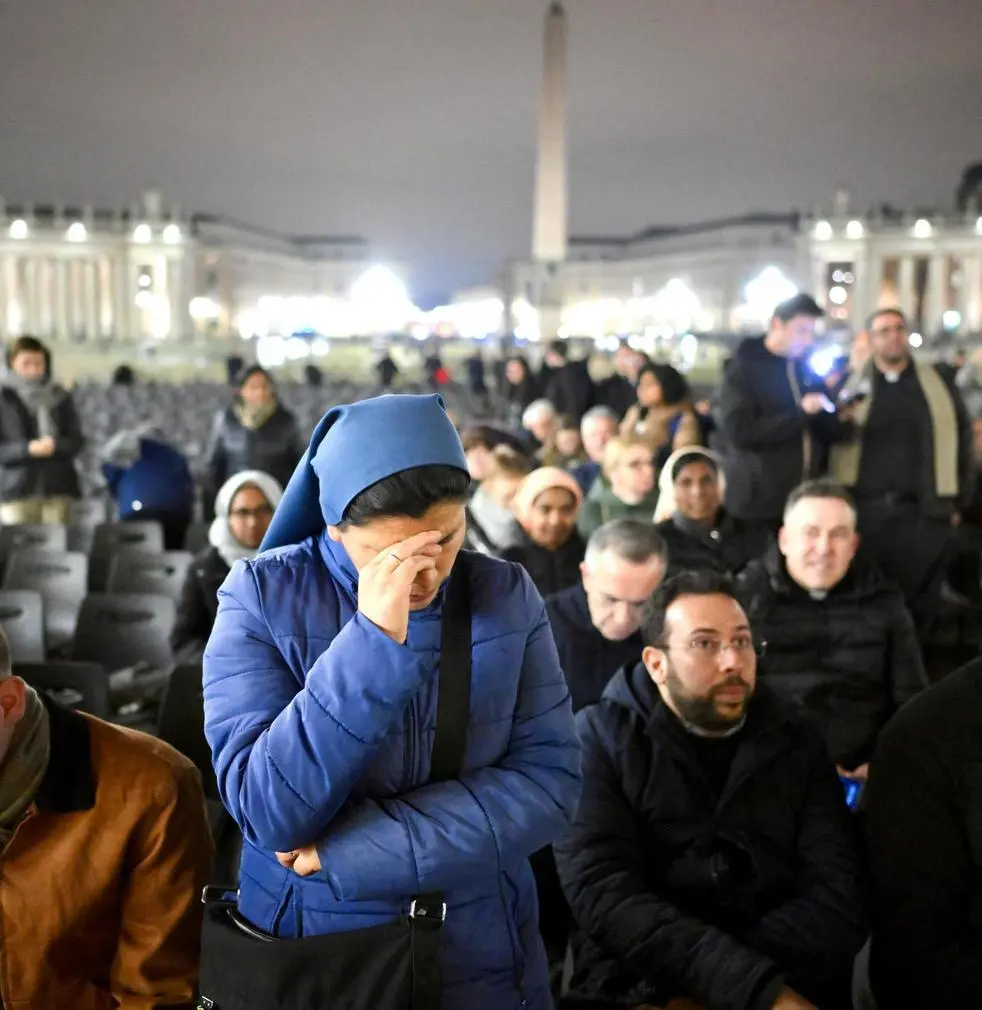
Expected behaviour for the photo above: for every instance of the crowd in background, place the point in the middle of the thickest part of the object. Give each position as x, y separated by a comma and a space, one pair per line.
742, 596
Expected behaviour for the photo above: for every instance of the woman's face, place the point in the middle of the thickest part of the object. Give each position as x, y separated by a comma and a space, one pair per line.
649, 391
514, 372
568, 442
479, 461
633, 479
502, 489
249, 516
365, 543
256, 391
552, 518
697, 495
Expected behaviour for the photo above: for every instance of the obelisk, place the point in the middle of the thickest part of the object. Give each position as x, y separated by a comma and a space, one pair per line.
549, 230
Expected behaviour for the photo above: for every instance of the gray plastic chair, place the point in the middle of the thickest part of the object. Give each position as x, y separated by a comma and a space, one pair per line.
86, 685
61, 578
162, 574
22, 621
120, 631
112, 539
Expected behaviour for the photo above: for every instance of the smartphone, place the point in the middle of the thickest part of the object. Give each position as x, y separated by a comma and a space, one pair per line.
854, 791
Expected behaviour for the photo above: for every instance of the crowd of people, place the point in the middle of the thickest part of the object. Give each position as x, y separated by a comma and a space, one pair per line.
609, 699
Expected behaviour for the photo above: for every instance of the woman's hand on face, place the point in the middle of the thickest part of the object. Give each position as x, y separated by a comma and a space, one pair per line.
384, 584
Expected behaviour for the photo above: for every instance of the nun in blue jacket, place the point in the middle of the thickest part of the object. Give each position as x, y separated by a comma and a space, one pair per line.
320, 684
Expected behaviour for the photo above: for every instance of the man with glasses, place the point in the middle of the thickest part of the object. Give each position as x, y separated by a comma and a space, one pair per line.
596, 624
840, 642
712, 860
908, 462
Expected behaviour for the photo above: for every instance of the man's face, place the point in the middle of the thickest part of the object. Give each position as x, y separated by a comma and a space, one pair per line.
29, 365
365, 543
542, 424
697, 496
889, 340
12, 707
819, 541
797, 334
617, 591
597, 432
633, 479
705, 667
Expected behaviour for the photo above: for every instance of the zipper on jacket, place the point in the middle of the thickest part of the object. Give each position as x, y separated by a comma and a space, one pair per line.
409, 763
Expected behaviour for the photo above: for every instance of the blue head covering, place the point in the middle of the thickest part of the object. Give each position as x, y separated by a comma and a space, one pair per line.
355, 446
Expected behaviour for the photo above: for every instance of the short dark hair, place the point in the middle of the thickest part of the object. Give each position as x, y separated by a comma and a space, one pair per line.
565, 422
823, 487
29, 345
890, 310
798, 305
559, 347
252, 370
411, 492
698, 582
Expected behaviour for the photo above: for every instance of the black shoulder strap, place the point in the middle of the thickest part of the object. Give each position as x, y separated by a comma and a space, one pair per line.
454, 689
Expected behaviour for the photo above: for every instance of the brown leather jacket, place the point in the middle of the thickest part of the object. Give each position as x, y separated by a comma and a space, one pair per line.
100, 885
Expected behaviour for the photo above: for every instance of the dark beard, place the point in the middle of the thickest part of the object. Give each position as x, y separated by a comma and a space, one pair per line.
700, 710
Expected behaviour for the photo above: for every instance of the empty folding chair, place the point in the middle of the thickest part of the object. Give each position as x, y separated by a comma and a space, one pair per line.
84, 686
197, 538
89, 512
80, 538
122, 631
22, 621
162, 574
182, 722
31, 536
61, 579
117, 538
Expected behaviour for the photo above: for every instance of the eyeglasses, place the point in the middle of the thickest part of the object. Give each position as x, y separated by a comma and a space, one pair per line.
706, 647
260, 512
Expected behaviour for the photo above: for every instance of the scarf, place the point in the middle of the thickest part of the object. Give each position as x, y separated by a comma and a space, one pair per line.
40, 397
255, 417
220, 534
24, 766
666, 481
845, 458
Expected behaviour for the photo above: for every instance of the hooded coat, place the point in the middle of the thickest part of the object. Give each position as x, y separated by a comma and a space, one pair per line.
321, 727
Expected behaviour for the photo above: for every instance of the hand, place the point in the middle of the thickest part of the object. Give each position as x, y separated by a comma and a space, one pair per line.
813, 403
303, 862
788, 999
42, 448
860, 774
384, 584
956, 519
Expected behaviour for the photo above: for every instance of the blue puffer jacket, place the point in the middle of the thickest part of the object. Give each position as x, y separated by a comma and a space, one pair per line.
321, 728
159, 480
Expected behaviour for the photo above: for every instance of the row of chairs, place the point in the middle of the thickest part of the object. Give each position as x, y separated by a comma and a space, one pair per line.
115, 630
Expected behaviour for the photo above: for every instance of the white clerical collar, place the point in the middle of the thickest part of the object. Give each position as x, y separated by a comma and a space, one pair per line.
892, 377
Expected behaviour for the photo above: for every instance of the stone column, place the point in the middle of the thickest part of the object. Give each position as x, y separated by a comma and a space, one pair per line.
970, 295
59, 299
905, 286
935, 296
91, 288
122, 298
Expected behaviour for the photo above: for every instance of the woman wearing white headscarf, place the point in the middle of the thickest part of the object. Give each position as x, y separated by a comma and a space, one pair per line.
244, 507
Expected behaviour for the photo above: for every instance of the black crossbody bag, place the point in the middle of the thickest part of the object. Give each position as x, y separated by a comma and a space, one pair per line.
395, 966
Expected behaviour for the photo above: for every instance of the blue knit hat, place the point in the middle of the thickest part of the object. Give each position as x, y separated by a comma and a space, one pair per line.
355, 446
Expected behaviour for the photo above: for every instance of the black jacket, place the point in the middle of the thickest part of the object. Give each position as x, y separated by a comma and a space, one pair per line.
571, 390
729, 546
924, 831
764, 431
849, 660
275, 448
197, 606
722, 900
618, 393
23, 476
588, 659
550, 571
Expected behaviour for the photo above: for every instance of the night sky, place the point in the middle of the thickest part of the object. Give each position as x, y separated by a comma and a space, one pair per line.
412, 122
